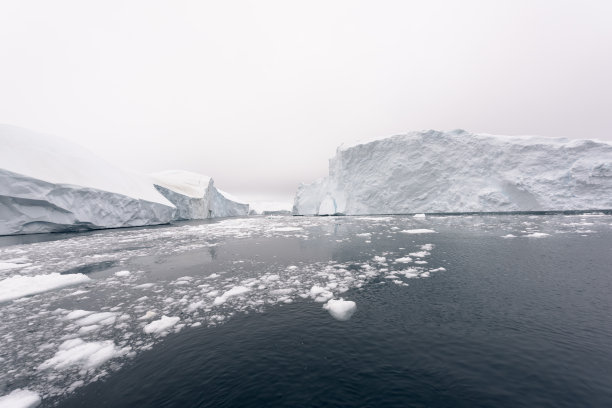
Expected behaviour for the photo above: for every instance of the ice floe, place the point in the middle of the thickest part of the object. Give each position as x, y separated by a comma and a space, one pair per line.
340, 309
20, 398
18, 286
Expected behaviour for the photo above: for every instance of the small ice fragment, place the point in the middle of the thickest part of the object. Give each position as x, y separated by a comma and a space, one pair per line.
418, 231
509, 236
20, 398
77, 314
537, 235
122, 274
88, 329
98, 318
418, 216
405, 259
150, 314
340, 309
83, 354
235, 291
19, 286
320, 294
161, 325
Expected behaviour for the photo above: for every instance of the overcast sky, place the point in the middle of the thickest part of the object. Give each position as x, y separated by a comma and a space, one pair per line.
258, 94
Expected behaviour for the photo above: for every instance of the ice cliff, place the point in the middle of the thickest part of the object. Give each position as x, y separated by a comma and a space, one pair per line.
196, 197
48, 184
458, 171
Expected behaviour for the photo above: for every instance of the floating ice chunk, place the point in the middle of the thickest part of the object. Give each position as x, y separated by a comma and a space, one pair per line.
19, 286
365, 235
427, 247
77, 314
11, 265
88, 329
291, 267
162, 325
440, 269
509, 236
149, 315
144, 286
537, 235
340, 309
379, 259
235, 291
104, 318
420, 254
418, 231
320, 294
281, 292
409, 273
286, 229
405, 259
418, 216
20, 398
420, 262
122, 274
194, 306
76, 352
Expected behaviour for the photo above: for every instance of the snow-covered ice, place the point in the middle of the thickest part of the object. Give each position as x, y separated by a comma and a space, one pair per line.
48, 184
340, 309
162, 325
83, 355
196, 197
418, 231
457, 171
18, 286
20, 398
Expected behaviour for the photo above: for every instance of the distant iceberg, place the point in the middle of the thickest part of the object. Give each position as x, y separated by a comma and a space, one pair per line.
458, 171
48, 184
196, 197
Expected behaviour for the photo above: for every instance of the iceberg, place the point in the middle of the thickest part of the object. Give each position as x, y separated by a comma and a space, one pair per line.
457, 171
48, 184
196, 197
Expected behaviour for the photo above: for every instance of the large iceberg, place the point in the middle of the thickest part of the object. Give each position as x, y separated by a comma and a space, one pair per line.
48, 184
458, 171
196, 197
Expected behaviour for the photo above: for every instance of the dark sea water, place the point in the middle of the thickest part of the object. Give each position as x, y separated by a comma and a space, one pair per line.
522, 321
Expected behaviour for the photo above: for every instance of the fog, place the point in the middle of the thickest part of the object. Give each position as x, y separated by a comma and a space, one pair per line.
258, 94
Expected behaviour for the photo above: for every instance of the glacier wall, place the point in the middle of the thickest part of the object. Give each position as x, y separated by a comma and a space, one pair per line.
29, 205
458, 171
49, 184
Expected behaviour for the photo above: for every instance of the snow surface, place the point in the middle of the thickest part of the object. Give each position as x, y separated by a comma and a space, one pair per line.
162, 325
340, 309
18, 286
20, 398
82, 354
458, 171
59, 161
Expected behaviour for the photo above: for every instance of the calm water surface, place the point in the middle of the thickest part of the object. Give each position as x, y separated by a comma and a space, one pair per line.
500, 311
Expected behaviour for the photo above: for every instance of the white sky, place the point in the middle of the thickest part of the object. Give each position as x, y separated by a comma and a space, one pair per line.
258, 94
